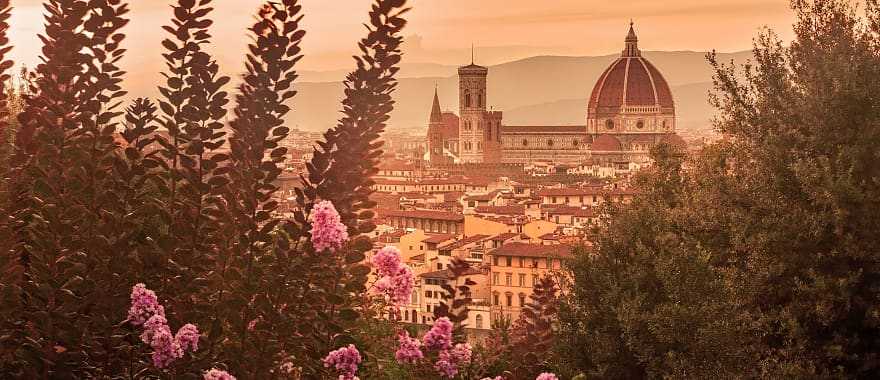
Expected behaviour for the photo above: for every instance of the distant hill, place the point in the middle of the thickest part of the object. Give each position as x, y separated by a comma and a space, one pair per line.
549, 90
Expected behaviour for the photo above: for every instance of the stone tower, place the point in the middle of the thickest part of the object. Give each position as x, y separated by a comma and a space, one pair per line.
435, 133
479, 139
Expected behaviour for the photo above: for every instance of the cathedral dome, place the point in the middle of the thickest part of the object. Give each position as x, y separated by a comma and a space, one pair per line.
630, 81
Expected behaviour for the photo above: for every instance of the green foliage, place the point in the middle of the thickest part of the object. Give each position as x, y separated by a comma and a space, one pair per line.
759, 259
94, 207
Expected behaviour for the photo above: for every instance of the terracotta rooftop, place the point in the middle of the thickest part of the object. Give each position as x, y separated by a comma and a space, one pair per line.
482, 197
501, 210
575, 191
446, 274
463, 242
438, 238
422, 214
533, 250
505, 236
584, 212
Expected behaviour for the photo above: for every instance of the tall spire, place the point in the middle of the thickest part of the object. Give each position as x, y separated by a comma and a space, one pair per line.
632, 43
436, 114
472, 53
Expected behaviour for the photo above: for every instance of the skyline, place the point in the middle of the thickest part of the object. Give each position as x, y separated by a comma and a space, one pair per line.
442, 32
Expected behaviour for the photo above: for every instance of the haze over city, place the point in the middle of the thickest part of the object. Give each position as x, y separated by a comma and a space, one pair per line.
440, 37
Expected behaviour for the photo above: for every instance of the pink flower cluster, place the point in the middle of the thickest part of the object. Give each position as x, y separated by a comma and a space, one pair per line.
166, 347
144, 305
396, 279
439, 337
449, 359
410, 350
328, 232
216, 374
345, 360
546, 376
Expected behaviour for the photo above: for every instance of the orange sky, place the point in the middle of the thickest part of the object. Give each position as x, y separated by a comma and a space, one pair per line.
571, 27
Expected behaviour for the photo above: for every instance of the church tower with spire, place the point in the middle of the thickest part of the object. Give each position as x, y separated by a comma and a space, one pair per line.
435, 133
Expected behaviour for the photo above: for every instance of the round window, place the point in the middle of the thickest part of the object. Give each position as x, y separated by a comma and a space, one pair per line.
575, 143
549, 142
640, 124
609, 124
525, 142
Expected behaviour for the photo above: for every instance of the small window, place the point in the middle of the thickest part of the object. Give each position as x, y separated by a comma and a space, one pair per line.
525, 142
640, 124
575, 143
549, 142
609, 124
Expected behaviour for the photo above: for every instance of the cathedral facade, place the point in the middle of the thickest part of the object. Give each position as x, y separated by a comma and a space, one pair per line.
629, 111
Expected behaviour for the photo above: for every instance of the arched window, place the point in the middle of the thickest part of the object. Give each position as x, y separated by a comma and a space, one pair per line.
525, 142
609, 124
479, 100
467, 98
479, 321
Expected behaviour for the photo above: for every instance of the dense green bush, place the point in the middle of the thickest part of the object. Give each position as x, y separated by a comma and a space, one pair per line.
86, 218
759, 256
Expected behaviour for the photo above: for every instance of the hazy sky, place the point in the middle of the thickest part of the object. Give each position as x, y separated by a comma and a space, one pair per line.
571, 27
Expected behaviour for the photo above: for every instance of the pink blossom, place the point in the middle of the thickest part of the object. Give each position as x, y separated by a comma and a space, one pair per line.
397, 287
155, 324
439, 337
546, 376
188, 337
345, 360
144, 304
216, 374
165, 348
446, 365
410, 349
168, 347
328, 231
387, 261
461, 353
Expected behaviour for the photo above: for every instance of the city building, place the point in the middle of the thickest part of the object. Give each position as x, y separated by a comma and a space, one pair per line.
630, 110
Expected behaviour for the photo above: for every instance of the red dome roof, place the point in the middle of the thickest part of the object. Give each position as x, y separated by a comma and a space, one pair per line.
631, 80
606, 143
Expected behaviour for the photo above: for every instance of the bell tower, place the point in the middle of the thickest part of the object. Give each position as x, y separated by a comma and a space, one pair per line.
479, 139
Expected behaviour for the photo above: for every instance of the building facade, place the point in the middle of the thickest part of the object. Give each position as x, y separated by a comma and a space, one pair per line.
630, 110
